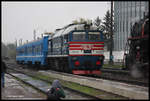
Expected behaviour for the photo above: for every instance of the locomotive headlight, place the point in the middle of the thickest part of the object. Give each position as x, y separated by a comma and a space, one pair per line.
137, 47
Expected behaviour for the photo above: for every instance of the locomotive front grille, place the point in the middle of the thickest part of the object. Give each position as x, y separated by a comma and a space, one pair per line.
88, 64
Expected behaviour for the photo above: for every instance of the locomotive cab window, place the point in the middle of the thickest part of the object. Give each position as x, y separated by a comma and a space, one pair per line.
79, 36
94, 36
66, 38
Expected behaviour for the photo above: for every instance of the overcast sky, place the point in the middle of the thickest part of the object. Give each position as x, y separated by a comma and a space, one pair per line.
19, 19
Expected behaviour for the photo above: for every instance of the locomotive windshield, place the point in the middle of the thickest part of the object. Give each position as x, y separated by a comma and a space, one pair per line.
79, 36
94, 36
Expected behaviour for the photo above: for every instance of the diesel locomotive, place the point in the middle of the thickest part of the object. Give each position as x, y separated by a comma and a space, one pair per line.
75, 48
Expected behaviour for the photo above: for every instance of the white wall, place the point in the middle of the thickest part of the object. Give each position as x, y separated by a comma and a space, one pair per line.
118, 56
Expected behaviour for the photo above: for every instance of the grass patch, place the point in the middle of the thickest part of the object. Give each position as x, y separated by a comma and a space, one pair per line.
81, 88
112, 66
90, 91
45, 77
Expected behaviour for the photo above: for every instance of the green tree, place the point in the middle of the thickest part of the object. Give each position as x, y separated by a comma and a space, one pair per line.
106, 26
97, 22
4, 50
81, 21
75, 22
11, 50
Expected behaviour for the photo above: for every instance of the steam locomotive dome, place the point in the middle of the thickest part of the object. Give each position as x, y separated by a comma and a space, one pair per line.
71, 27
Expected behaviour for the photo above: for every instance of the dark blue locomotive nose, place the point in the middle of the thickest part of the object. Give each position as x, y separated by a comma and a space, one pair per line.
85, 62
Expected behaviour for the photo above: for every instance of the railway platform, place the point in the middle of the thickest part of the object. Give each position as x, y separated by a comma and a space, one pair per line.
16, 90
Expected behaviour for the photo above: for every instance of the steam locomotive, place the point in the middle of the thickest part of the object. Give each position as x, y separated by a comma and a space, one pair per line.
75, 48
136, 52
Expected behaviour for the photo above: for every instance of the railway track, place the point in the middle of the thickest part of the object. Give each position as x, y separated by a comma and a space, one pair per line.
66, 89
123, 76
102, 94
66, 76
110, 74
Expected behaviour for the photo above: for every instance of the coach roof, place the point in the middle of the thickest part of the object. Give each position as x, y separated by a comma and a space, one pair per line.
33, 42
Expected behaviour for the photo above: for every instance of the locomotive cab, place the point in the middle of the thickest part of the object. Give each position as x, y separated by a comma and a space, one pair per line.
86, 51
77, 49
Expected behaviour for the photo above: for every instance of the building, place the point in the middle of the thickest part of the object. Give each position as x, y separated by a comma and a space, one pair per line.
125, 14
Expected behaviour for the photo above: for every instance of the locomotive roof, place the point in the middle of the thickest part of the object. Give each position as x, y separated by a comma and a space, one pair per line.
68, 28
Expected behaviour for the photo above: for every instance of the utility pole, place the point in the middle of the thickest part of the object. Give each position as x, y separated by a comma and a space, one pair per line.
111, 36
16, 42
34, 34
42, 35
21, 41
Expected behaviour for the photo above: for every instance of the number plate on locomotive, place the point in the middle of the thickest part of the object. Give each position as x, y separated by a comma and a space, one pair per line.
87, 51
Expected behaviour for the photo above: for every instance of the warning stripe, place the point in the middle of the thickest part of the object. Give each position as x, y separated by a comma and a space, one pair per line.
86, 54
84, 49
82, 45
85, 42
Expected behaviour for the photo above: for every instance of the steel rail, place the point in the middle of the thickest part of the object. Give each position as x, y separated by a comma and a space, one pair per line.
67, 88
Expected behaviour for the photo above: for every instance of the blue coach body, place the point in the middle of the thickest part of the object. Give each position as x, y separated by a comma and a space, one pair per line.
33, 52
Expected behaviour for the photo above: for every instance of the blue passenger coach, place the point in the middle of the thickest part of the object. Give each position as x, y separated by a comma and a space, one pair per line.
34, 52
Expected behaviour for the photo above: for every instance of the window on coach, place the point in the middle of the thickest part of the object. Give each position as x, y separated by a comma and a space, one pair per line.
41, 48
30, 50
